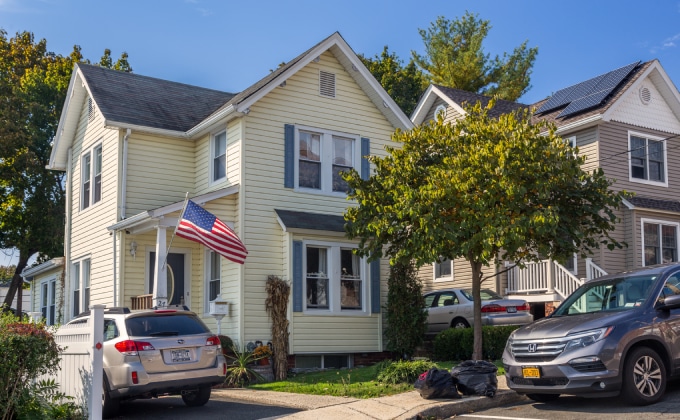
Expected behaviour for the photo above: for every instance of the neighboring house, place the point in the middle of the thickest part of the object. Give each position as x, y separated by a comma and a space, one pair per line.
46, 294
266, 161
626, 122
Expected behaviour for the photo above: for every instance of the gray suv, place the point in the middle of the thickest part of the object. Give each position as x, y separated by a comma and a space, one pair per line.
158, 352
614, 335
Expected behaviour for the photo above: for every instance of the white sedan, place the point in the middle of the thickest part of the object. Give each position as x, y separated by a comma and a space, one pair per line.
453, 308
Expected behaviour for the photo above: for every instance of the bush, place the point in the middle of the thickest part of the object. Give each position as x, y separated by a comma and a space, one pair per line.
29, 351
403, 371
456, 343
405, 314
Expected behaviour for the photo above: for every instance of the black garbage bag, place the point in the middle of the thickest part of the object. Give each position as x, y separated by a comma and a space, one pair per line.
476, 377
436, 383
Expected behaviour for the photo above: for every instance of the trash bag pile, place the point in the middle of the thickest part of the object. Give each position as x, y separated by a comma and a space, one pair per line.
472, 377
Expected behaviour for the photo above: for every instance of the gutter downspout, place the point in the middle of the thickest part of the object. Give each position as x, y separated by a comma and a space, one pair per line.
68, 224
121, 211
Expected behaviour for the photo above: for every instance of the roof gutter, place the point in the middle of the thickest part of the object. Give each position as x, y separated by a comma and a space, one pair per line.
213, 119
144, 129
580, 124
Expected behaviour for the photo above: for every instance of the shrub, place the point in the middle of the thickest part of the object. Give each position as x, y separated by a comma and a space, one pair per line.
405, 310
240, 373
29, 351
226, 343
403, 371
456, 343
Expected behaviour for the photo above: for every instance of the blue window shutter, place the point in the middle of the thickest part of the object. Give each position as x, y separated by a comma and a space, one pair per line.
289, 156
375, 286
297, 276
365, 152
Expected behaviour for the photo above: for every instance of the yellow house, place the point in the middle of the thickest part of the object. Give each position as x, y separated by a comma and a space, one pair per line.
266, 161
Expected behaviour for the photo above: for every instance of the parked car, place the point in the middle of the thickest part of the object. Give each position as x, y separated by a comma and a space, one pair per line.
150, 353
453, 308
614, 335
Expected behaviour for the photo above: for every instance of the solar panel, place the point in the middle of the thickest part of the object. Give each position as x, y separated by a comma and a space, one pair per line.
606, 82
584, 103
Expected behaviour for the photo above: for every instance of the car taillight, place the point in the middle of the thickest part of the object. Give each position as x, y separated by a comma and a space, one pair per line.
525, 308
492, 308
213, 341
130, 347
164, 311
135, 378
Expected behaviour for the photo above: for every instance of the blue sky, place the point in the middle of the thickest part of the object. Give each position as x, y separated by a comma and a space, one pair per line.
229, 45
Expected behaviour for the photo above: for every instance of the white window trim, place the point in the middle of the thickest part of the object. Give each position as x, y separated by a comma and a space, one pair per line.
334, 289
51, 284
441, 279
658, 222
91, 153
81, 262
575, 270
326, 159
206, 280
211, 166
665, 160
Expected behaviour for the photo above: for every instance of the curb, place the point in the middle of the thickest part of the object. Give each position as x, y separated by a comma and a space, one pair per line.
465, 405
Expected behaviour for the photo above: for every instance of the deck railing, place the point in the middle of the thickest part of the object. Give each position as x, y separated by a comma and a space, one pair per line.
142, 302
547, 276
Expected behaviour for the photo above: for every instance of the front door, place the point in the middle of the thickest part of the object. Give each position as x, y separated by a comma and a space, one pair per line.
175, 269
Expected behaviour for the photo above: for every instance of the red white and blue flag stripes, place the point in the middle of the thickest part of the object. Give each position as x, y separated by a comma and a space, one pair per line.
199, 225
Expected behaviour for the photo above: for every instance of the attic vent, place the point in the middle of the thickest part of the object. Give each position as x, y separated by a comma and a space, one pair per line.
327, 84
645, 95
90, 108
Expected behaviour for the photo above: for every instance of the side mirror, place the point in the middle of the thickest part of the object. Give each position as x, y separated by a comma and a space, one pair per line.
671, 302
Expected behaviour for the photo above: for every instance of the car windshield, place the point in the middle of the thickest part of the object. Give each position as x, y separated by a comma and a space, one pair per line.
486, 294
618, 294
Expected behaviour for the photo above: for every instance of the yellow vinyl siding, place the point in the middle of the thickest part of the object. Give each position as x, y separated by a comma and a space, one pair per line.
335, 334
203, 161
299, 103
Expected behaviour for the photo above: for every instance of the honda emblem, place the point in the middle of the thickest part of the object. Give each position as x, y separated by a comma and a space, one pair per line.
180, 341
532, 348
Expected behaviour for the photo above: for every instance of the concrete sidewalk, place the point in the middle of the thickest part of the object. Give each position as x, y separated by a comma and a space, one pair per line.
408, 405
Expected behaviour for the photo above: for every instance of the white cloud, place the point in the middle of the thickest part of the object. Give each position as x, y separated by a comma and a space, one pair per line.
667, 43
205, 12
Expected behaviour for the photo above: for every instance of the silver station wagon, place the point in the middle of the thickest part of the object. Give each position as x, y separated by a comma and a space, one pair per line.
151, 353
614, 335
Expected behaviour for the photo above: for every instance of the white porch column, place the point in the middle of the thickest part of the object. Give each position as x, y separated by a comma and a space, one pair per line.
160, 286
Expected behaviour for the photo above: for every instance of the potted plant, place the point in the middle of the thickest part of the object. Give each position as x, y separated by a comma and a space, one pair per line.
262, 354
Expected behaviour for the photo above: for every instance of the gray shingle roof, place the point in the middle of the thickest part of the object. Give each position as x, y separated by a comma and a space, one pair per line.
145, 101
463, 97
315, 221
655, 204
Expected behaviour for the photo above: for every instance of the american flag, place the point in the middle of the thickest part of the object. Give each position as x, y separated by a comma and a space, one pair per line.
199, 225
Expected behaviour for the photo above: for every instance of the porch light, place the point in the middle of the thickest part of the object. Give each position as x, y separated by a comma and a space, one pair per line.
133, 248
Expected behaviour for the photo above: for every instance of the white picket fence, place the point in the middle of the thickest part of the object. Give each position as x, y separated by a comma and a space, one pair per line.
81, 366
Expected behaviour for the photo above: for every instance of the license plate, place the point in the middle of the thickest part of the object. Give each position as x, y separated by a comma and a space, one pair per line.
180, 356
512, 309
531, 372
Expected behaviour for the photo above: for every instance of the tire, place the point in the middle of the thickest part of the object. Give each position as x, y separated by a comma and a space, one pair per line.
197, 398
110, 405
543, 398
459, 323
644, 377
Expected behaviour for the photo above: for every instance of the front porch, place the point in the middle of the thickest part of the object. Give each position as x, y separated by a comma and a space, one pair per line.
547, 280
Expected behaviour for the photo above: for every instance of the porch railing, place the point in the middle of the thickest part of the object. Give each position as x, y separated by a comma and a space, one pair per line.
142, 302
548, 276
593, 271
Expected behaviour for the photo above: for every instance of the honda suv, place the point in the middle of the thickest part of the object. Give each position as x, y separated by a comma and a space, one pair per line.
158, 352
614, 335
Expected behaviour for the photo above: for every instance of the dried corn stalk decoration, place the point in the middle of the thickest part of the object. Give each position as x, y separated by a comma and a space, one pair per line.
276, 304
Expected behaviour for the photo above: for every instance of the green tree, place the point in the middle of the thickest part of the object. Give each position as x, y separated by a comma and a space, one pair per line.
485, 190
33, 85
405, 309
454, 57
404, 84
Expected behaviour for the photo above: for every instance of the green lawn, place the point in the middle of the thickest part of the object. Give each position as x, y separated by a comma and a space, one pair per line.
356, 382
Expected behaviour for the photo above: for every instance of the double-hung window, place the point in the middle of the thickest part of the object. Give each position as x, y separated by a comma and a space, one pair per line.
48, 301
335, 279
660, 240
218, 157
443, 270
91, 177
322, 157
80, 286
647, 159
212, 276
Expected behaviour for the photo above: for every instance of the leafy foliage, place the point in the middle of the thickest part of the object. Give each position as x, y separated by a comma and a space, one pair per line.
240, 373
404, 370
483, 189
454, 57
405, 309
404, 84
457, 343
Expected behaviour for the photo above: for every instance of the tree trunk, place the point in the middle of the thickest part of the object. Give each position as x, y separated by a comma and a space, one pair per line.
477, 307
17, 284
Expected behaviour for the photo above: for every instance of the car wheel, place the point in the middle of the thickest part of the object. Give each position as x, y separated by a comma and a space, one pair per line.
644, 377
197, 398
459, 323
543, 398
110, 405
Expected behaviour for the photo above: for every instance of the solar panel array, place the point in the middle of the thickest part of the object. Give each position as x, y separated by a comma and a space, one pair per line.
588, 94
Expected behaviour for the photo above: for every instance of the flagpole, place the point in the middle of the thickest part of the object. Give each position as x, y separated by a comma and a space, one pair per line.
181, 214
